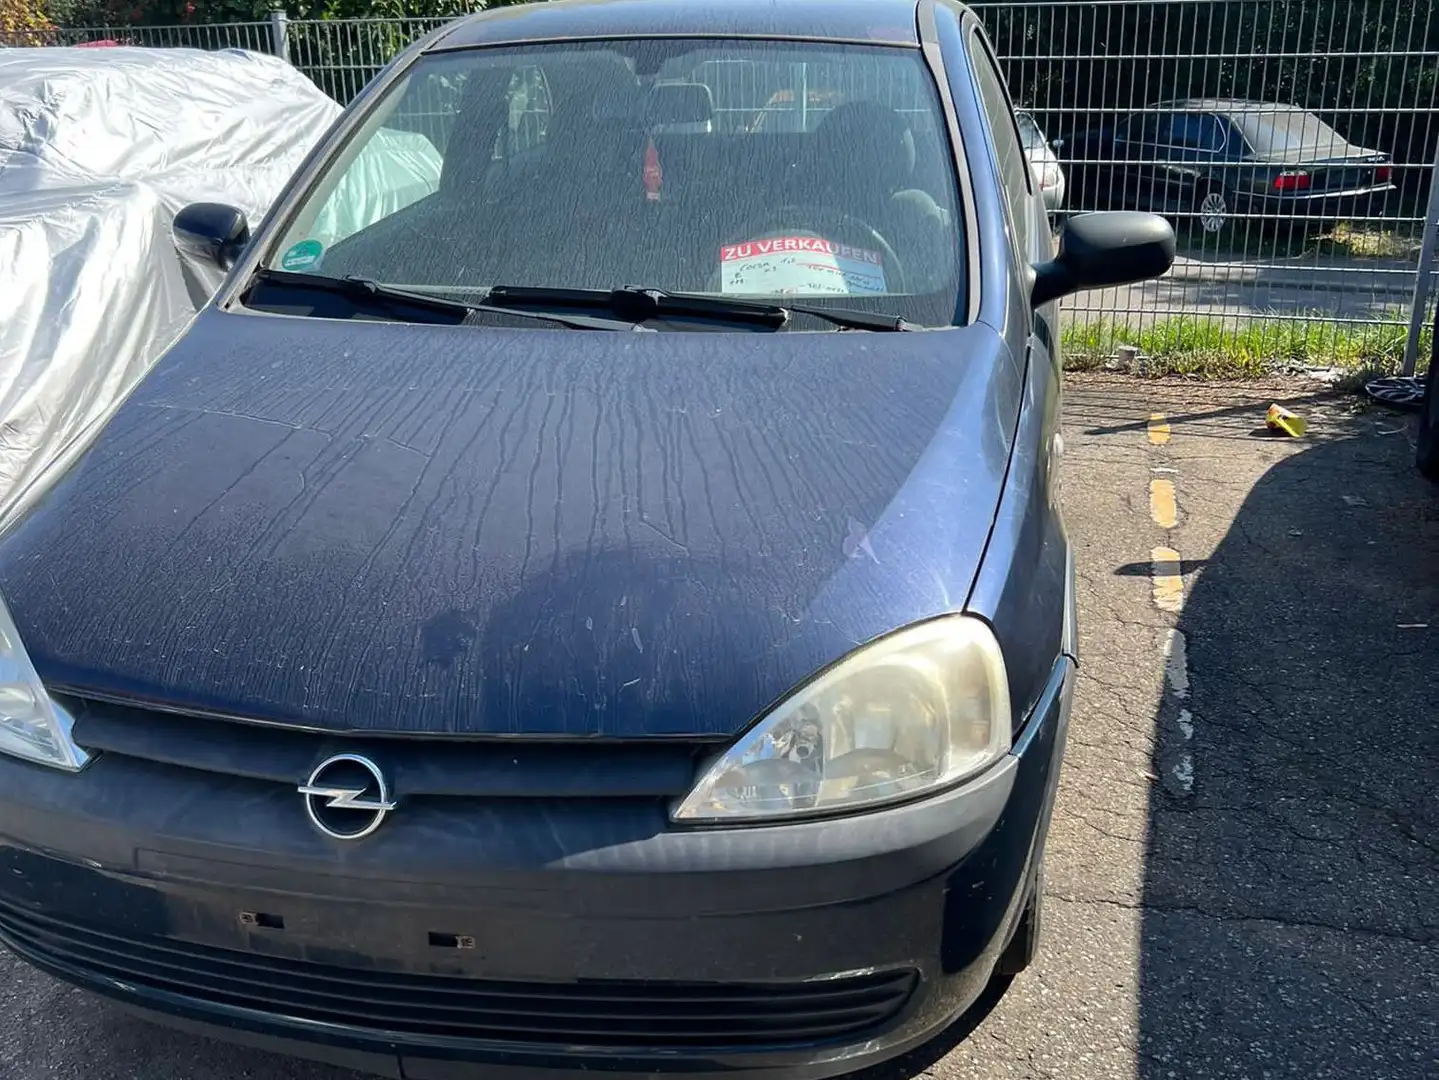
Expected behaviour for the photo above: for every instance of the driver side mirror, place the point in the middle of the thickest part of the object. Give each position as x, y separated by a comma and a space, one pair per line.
212, 231
1100, 250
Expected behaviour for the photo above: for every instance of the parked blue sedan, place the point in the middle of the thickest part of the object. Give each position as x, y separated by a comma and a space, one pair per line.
608, 612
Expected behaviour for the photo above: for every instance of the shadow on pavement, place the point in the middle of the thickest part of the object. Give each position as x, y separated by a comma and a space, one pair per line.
1291, 891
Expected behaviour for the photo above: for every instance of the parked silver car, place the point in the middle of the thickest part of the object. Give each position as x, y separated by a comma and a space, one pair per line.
98, 149
1043, 160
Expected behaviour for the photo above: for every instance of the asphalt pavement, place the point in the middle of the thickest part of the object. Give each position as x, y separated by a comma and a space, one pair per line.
1236, 289
1243, 874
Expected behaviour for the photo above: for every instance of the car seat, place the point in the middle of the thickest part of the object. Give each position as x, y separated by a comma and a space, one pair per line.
862, 162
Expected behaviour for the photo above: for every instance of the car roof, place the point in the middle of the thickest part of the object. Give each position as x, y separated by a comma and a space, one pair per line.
1227, 105
890, 22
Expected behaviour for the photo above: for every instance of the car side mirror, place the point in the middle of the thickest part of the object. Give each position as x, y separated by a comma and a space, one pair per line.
212, 231
1100, 250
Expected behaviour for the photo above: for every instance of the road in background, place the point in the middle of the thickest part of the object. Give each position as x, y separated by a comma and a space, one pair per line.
1245, 855
1234, 290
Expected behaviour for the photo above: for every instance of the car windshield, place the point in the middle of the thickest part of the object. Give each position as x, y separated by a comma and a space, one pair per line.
745, 169
1279, 129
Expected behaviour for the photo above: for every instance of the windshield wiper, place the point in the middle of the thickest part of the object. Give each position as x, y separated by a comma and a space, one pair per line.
364, 290
638, 305
850, 319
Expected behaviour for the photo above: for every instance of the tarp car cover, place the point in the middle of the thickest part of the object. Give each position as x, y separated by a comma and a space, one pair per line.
98, 150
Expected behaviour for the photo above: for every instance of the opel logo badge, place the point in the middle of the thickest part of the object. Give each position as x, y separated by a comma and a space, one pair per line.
346, 797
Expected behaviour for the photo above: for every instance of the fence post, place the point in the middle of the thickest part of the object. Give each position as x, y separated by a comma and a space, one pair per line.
1418, 316
280, 34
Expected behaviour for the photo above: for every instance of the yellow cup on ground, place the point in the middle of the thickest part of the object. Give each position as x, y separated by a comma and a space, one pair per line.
1278, 418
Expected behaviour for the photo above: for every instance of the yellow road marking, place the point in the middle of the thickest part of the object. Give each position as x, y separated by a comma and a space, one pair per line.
1158, 429
1168, 582
1163, 507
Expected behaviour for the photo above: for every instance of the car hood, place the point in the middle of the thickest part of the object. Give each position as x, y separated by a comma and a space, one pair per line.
404, 529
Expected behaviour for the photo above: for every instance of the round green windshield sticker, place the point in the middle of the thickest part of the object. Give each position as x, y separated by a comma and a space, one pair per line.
302, 256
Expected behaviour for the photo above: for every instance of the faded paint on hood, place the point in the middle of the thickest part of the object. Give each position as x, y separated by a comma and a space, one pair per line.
411, 529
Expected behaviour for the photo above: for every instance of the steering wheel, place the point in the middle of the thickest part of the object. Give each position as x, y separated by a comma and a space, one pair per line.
829, 224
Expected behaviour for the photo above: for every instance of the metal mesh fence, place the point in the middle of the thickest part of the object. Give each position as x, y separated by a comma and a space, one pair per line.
1245, 122
255, 36
1291, 143
342, 55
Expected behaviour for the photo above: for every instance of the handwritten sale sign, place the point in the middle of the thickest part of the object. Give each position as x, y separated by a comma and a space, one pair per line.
799, 266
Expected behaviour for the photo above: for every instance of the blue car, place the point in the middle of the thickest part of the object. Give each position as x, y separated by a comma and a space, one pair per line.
588, 593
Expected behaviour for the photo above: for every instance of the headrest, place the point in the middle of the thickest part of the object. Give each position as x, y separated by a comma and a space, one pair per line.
874, 145
679, 103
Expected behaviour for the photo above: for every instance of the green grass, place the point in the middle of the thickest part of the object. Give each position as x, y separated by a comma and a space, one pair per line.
1210, 348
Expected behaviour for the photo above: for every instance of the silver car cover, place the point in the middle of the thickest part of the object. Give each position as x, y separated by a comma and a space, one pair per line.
99, 148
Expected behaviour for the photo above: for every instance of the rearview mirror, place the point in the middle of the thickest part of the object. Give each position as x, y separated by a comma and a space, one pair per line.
212, 231
1100, 250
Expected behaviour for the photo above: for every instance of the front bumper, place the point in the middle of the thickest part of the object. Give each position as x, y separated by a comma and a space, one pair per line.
598, 941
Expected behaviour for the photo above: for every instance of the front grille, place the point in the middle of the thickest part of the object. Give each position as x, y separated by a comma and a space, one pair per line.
610, 1014
653, 770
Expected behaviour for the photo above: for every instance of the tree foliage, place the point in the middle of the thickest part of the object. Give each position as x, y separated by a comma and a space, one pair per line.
179, 12
23, 18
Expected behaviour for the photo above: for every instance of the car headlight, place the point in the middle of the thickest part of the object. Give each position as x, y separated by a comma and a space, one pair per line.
31, 725
916, 711
1049, 175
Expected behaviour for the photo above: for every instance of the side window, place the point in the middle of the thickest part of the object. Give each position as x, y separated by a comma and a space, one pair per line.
1013, 164
1196, 131
1150, 128
1178, 131
1211, 134
1235, 145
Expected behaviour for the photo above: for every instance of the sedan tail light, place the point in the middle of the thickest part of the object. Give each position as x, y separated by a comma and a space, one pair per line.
1292, 181
1383, 174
